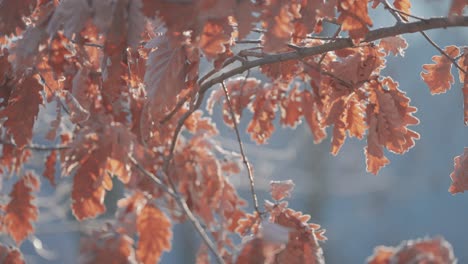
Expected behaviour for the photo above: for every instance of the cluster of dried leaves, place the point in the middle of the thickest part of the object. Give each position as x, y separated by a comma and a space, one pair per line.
125, 76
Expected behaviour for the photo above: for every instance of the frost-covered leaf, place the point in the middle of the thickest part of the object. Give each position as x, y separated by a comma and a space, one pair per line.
107, 246
354, 18
22, 110
438, 76
459, 175
10, 255
429, 250
154, 234
457, 7
49, 170
281, 189
395, 45
21, 212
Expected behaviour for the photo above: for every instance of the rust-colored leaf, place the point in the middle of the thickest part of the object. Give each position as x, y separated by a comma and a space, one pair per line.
430, 250
281, 189
395, 45
354, 18
264, 109
459, 175
49, 170
22, 110
10, 255
107, 247
277, 19
438, 76
457, 7
20, 212
154, 234
463, 62
11, 13
404, 6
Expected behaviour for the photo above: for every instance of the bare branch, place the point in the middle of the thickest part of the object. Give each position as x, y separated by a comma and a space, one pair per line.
242, 151
153, 177
398, 29
36, 147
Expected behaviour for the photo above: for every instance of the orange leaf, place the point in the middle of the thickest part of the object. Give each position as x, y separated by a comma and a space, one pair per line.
404, 6
281, 189
463, 62
20, 212
430, 250
375, 158
264, 109
49, 171
395, 45
107, 247
438, 76
215, 34
459, 175
277, 19
165, 74
22, 110
354, 18
312, 116
457, 7
11, 14
10, 255
154, 232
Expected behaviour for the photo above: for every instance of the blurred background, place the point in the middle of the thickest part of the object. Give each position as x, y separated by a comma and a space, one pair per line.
407, 200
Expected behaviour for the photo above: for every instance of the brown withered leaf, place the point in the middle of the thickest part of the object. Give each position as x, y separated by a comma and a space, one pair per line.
20, 212
459, 175
154, 234
438, 76
429, 250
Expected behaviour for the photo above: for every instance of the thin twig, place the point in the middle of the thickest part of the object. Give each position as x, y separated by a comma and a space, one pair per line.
175, 110
337, 32
242, 151
454, 62
180, 201
329, 74
249, 41
36, 147
432, 23
153, 177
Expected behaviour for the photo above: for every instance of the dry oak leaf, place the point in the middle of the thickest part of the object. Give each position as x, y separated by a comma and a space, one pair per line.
395, 45
457, 7
264, 109
154, 234
430, 250
388, 116
404, 6
277, 20
241, 92
216, 33
459, 175
165, 74
258, 250
354, 18
303, 246
438, 76
463, 62
10, 255
49, 167
20, 212
312, 116
22, 110
281, 189
107, 247
11, 14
